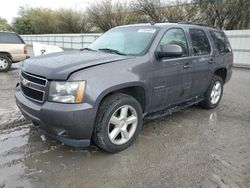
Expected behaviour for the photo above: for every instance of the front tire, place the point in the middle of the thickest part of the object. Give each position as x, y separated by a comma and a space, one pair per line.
213, 94
118, 123
5, 63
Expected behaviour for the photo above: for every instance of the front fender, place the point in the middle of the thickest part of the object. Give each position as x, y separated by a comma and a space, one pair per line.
120, 87
105, 79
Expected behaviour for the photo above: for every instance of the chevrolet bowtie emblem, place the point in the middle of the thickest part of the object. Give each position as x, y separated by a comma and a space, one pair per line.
25, 83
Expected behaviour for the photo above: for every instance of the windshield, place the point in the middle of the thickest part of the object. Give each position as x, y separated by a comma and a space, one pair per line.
125, 40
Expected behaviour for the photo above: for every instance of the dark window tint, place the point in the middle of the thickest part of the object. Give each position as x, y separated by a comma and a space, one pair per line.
200, 42
175, 36
221, 42
10, 38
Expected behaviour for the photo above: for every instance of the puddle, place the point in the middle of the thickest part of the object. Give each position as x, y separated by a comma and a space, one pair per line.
12, 153
10, 140
13, 177
17, 144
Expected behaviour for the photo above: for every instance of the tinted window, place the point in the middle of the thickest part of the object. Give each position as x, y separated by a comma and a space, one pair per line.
221, 42
200, 42
175, 36
10, 38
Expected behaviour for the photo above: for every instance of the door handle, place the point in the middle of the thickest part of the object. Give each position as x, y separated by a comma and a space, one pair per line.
186, 66
211, 61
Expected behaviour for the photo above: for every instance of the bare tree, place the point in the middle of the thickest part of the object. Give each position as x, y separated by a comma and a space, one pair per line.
225, 14
106, 14
163, 11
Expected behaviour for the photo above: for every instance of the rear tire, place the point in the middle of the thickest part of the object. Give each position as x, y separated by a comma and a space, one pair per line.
213, 94
5, 63
118, 123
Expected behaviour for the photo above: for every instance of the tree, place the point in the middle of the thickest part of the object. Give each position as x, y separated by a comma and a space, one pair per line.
35, 21
106, 14
162, 11
4, 26
43, 20
69, 21
22, 25
225, 14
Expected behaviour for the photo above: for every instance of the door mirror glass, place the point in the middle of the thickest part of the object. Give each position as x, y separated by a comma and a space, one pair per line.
169, 50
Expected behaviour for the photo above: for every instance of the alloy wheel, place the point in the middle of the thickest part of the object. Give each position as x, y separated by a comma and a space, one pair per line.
122, 125
216, 92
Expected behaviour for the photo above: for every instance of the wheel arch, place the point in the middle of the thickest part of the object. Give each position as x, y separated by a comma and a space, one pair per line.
134, 89
6, 53
222, 72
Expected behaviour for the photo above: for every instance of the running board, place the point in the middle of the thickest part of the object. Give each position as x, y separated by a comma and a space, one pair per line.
171, 110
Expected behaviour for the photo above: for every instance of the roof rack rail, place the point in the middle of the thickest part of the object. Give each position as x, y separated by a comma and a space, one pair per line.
198, 24
187, 22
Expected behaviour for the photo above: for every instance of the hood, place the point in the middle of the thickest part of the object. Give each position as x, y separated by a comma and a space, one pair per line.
59, 66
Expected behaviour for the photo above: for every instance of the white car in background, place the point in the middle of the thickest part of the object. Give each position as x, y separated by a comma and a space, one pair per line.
43, 49
12, 50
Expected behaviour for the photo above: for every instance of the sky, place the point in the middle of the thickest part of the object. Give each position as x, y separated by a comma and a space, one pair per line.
9, 8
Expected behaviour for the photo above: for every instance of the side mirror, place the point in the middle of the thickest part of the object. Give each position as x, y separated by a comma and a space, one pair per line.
170, 50
228, 49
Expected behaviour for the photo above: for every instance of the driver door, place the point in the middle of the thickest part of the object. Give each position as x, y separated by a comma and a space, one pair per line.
172, 77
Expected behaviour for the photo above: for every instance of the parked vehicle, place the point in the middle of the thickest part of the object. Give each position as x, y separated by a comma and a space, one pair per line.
12, 50
131, 73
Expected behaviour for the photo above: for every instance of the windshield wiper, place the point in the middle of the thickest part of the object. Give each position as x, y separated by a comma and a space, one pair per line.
109, 50
89, 49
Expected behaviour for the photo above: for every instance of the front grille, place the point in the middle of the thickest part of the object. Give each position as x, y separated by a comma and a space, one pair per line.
35, 79
31, 93
33, 87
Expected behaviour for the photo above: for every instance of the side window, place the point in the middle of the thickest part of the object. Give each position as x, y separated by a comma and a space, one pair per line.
10, 38
200, 42
221, 42
175, 36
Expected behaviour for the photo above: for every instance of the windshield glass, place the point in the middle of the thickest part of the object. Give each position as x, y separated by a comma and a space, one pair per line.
125, 40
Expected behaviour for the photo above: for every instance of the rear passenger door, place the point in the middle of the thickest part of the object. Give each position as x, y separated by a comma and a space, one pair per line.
223, 51
202, 61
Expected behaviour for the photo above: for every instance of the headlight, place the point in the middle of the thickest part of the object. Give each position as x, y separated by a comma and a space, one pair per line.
67, 92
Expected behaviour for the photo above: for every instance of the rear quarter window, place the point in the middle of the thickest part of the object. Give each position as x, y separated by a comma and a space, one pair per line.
10, 38
200, 42
221, 42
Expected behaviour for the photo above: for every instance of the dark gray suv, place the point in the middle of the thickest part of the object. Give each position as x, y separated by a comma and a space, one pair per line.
131, 73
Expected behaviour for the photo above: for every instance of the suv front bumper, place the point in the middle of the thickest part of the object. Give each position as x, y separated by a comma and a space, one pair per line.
71, 124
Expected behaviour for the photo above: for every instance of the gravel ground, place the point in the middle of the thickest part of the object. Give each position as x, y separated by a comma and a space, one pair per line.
190, 148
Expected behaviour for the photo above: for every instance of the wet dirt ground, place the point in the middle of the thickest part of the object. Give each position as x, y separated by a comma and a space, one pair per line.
190, 148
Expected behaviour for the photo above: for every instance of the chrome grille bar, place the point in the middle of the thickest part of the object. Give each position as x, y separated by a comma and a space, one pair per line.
33, 87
